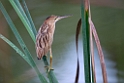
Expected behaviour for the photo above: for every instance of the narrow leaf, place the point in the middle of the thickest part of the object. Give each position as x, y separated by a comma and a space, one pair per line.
92, 57
22, 44
101, 55
15, 48
92, 51
22, 11
86, 40
22, 17
77, 36
29, 18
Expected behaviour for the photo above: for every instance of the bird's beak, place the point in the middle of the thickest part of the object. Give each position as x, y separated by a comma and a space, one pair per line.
61, 17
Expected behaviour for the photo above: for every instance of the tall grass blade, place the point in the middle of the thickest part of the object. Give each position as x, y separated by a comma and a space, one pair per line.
101, 55
92, 51
92, 57
29, 18
86, 40
77, 36
22, 44
23, 18
22, 11
15, 48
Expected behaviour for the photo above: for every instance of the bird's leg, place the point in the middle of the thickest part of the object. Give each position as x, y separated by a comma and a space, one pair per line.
51, 58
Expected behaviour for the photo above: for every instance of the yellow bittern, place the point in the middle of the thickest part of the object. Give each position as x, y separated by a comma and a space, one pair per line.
44, 37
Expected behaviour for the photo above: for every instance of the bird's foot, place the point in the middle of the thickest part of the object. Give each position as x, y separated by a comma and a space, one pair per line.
49, 68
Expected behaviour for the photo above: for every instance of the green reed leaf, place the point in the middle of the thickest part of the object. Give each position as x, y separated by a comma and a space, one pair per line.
15, 48
29, 18
86, 40
22, 44
17, 6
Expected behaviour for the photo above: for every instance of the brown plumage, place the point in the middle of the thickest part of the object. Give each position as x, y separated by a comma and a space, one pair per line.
44, 37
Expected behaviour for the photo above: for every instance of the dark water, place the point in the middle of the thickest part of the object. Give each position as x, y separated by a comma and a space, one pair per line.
109, 24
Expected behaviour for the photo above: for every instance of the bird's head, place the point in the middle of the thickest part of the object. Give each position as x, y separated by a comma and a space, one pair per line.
54, 18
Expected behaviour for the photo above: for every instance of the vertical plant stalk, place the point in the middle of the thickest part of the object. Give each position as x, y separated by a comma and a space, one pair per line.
101, 56
86, 39
87, 15
92, 51
92, 57
51, 76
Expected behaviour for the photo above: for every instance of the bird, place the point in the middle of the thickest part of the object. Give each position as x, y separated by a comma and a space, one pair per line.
44, 37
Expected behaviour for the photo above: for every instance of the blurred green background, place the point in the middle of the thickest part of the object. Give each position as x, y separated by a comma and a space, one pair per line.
108, 17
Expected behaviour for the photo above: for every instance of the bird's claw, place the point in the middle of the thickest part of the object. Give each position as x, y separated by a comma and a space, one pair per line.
49, 68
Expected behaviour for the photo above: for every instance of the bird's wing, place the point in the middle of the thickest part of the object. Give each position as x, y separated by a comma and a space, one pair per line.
42, 44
